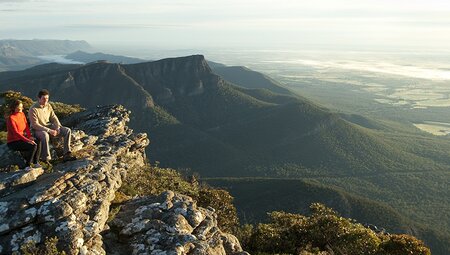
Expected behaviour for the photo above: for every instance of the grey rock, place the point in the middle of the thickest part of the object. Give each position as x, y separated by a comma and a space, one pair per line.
159, 225
13, 179
231, 244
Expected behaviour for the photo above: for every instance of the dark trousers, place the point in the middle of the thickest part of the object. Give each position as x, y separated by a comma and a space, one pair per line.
30, 152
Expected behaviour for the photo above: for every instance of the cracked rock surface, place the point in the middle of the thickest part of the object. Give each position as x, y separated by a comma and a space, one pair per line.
167, 224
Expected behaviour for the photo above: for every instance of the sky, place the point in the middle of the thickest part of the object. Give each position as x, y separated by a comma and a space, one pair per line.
249, 24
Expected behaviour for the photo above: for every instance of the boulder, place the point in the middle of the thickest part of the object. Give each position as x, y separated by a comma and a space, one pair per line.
158, 224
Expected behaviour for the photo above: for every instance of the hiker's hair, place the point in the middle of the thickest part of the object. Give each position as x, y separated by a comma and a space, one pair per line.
13, 105
43, 92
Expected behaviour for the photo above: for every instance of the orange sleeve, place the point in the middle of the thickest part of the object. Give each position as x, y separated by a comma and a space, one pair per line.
27, 127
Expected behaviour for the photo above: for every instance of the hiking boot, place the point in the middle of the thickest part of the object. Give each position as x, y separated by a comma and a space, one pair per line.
37, 165
69, 157
47, 163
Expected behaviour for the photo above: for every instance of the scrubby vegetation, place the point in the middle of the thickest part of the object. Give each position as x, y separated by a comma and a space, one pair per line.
324, 232
48, 248
64, 110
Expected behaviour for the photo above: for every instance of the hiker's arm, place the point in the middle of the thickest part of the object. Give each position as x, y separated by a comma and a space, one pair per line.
54, 119
27, 128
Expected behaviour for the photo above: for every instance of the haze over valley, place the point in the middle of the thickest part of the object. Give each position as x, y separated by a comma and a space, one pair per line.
402, 86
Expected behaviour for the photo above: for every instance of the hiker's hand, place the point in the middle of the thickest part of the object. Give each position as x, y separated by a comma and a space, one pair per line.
32, 142
53, 132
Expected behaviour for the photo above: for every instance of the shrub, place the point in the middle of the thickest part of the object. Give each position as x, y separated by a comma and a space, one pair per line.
151, 180
222, 202
403, 244
64, 110
325, 232
48, 248
325, 229
8, 96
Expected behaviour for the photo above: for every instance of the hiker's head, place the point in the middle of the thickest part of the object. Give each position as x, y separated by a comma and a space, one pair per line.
43, 97
15, 106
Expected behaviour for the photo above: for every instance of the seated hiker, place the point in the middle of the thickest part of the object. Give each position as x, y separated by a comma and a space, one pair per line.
45, 123
19, 136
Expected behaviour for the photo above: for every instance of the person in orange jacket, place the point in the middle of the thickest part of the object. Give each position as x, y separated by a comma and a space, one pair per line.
19, 136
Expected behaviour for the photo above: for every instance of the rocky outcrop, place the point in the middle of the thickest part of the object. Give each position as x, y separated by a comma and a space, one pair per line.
73, 202
168, 224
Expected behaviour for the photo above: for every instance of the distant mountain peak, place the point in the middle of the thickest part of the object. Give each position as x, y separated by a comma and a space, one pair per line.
22, 54
186, 69
86, 57
189, 62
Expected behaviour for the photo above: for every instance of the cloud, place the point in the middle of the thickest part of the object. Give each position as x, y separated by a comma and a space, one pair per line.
123, 26
236, 21
376, 67
13, 1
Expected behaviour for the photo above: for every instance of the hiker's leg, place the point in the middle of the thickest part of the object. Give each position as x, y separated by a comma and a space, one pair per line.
29, 149
65, 132
37, 155
44, 139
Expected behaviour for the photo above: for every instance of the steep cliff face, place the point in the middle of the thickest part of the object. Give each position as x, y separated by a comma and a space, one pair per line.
72, 203
174, 78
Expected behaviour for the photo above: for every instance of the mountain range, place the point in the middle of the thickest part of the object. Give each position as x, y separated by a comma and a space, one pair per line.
21, 54
226, 126
86, 57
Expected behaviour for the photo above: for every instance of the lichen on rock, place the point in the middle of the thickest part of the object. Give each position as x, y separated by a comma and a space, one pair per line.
159, 225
